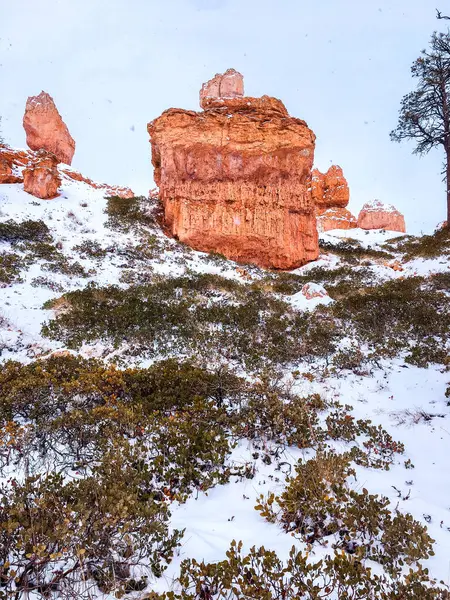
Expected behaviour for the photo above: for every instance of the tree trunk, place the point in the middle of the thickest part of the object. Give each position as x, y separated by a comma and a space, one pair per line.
447, 181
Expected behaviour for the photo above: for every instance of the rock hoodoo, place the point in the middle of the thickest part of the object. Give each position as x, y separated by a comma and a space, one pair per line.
46, 130
376, 215
331, 194
228, 85
235, 178
336, 218
41, 177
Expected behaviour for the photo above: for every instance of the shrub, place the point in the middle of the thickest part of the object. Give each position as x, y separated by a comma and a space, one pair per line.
318, 503
10, 268
58, 536
125, 214
262, 575
30, 231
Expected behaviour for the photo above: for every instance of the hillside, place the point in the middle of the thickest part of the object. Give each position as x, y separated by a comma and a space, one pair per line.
184, 390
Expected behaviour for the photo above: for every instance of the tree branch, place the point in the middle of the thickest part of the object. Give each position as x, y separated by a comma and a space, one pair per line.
439, 15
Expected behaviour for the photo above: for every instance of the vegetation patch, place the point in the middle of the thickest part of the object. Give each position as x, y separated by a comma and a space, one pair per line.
126, 214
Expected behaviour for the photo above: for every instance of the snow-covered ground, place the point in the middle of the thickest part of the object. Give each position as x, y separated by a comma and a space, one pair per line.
395, 396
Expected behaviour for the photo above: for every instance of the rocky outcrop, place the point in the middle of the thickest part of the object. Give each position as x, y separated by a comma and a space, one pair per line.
235, 178
376, 215
110, 190
41, 177
330, 189
46, 130
227, 85
11, 164
336, 218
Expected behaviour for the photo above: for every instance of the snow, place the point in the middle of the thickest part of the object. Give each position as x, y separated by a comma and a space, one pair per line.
393, 396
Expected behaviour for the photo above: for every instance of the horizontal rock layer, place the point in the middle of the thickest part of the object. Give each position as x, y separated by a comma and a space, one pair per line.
234, 179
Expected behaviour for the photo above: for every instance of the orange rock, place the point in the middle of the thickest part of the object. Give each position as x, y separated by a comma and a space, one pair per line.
336, 218
376, 215
41, 177
395, 266
11, 164
330, 189
228, 85
110, 190
234, 179
46, 130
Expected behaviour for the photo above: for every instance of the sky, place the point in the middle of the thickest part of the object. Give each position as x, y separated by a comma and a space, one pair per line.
341, 65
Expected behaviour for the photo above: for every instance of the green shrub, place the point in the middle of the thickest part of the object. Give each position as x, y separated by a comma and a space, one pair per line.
261, 575
61, 536
125, 214
30, 231
11, 265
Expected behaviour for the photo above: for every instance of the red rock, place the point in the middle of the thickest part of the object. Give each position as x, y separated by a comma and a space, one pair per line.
235, 179
227, 85
314, 290
41, 177
11, 164
110, 190
46, 130
330, 189
336, 218
376, 215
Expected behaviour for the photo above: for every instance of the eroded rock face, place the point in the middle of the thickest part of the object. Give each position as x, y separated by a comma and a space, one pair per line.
46, 130
235, 179
376, 215
336, 218
41, 177
11, 164
227, 85
330, 189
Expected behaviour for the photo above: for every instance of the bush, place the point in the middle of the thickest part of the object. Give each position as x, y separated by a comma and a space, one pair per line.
29, 231
58, 536
262, 575
125, 214
317, 503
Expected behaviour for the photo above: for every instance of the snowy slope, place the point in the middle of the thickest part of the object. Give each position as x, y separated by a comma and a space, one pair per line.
395, 395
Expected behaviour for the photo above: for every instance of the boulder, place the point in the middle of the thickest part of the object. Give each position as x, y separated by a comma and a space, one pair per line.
41, 177
235, 178
227, 85
376, 215
330, 189
336, 218
46, 130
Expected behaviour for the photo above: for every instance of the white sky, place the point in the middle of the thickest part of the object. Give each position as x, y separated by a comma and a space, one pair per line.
113, 65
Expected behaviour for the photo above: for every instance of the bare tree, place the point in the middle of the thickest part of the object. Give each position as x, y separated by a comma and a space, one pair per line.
425, 113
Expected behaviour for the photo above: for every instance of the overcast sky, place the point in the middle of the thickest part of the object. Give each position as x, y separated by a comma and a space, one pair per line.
113, 65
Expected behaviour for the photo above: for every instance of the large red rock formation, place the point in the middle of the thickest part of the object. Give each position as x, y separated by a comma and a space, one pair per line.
41, 177
235, 179
228, 85
46, 130
376, 215
336, 218
330, 189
